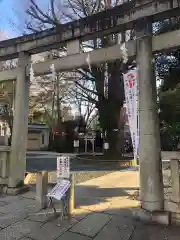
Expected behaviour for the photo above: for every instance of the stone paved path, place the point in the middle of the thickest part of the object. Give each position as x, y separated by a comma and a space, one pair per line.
103, 212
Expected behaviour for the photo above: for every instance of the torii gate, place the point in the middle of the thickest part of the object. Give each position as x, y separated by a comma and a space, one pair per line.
126, 16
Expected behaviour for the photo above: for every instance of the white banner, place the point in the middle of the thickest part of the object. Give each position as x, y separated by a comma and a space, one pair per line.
63, 167
131, 96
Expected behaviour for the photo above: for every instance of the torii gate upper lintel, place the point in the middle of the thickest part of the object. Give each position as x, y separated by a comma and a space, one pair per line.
117, 19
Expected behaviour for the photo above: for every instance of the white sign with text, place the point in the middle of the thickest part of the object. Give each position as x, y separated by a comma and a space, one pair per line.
60, 189
63, 167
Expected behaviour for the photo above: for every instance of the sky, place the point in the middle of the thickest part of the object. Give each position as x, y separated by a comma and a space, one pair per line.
8, 18
12, 16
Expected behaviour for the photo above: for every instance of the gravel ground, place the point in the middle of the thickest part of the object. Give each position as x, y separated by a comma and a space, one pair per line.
85, 176
79, 177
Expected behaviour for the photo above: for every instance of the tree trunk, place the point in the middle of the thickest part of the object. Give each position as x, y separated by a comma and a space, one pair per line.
116, 101
110, 108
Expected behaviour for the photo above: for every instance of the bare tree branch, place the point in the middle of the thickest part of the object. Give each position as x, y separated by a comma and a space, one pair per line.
52, 2
84, 89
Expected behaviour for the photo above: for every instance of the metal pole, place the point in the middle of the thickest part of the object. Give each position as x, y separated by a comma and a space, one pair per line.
93, 144
85, 144
70, 204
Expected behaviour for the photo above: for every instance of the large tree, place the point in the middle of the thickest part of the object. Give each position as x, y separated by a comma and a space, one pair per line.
103, 76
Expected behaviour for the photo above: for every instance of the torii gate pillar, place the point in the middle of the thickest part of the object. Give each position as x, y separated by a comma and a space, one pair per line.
17, 166
151, 183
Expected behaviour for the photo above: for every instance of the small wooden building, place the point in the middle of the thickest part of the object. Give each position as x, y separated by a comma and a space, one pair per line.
38, 137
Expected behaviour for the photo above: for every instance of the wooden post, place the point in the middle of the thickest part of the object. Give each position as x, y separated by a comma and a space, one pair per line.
42, 189
175, 180
70, 204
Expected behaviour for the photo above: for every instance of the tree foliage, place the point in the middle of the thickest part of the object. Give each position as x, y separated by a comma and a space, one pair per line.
168, 69
169, 92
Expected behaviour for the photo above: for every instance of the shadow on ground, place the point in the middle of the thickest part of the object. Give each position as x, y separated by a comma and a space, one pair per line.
101, 213
90, 195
